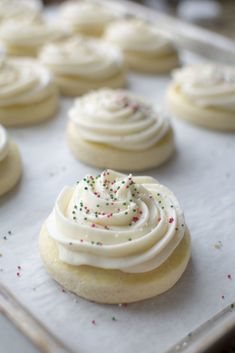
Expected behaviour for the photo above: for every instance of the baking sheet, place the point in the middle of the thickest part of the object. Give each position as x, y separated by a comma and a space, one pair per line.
201, 173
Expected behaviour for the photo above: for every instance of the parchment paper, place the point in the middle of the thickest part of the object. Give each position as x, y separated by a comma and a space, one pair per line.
201, 173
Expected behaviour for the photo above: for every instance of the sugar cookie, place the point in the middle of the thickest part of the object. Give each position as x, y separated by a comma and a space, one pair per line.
82, 64
117, 129
28, 94
145, 48
10, 162
115, 238
204, 95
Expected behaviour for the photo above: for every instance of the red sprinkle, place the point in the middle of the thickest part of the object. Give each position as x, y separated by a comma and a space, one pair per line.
93, 225
17, 274
171, 220
19, 267
222, 296
134, 106
135, 219
229, 277
81, 240
93, 322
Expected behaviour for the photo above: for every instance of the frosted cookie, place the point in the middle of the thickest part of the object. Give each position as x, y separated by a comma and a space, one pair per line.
145, 48
28, 94
25, 37
117, 129
10, 162
15, 9
82, 64
86, 18
115, 238
204, 95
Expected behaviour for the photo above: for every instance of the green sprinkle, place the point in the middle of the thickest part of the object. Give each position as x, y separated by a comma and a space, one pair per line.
130, 239
114, 318
85, 218
75, 206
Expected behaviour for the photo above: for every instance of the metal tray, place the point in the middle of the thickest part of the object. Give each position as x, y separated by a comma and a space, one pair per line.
199, 308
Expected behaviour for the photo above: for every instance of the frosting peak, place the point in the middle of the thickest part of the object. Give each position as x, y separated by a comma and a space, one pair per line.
30, 32
85, 13
136, 35
115, 221
119, 119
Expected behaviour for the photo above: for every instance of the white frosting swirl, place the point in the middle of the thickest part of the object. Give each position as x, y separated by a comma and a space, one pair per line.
23, 81
114, 221
207, 85
86, 14
83, 57
32, 33
139, 36
4, 143
118, 118
18, 9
